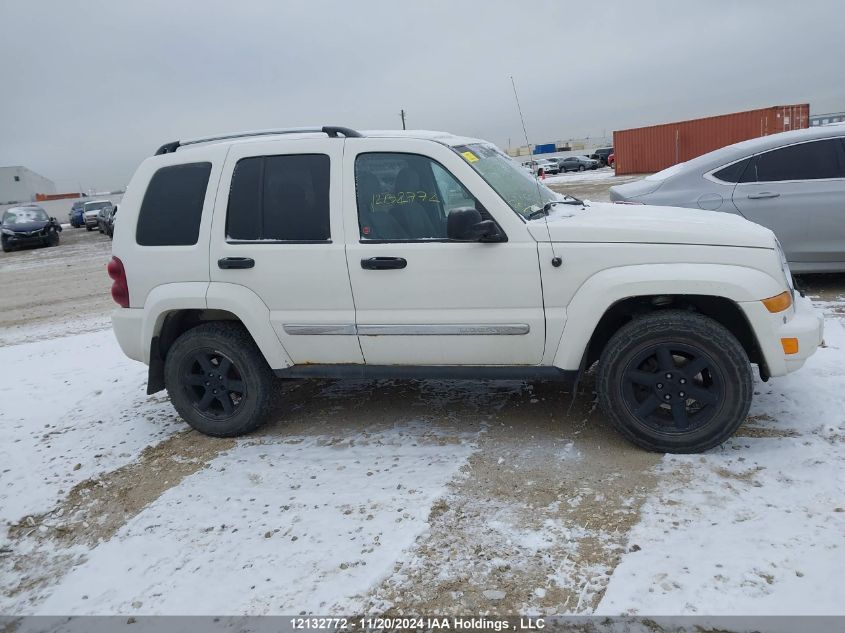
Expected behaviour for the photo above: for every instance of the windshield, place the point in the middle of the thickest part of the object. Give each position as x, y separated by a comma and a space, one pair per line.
96, 206
523, 193
25, 215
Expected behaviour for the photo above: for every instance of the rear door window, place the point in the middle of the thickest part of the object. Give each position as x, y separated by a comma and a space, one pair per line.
806, 161
280, 199
172, 207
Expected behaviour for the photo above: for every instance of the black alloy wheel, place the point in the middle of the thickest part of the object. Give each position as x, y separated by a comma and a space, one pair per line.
218, 379
213, 384
674, 381
672, 388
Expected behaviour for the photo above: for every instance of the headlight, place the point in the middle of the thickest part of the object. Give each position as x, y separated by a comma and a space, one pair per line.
8, 232
785, 267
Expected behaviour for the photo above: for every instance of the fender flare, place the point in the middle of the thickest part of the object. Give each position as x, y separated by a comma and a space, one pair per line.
201, 295
602, 290
254, 314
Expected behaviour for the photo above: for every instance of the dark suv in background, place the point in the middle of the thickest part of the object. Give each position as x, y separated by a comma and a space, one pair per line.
601, 155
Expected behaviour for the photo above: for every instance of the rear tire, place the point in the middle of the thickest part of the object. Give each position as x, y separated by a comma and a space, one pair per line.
675, 382
218, 380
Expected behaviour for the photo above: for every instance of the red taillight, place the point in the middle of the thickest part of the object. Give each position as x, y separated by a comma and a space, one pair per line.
119, 289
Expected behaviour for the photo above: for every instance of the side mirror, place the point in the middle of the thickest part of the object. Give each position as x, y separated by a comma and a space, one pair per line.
465, 225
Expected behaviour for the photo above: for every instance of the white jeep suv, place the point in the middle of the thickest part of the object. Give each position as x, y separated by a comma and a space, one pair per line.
332, 253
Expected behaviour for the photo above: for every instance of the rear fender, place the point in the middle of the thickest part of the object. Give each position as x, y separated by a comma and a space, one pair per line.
254, 314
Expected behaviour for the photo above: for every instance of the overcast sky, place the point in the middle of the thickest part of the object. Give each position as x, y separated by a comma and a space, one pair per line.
88, 89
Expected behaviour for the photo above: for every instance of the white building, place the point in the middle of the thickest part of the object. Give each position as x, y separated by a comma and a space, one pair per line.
19, 184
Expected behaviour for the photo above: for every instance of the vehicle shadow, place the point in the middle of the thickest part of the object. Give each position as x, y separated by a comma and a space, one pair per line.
544, 410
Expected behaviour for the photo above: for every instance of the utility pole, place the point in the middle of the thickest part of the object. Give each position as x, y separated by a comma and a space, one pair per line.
402, 114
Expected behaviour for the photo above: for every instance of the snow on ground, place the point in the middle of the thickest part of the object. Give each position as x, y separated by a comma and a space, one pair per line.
309, 523
67, 415
756, 526
318, 517
56, 329
605, 173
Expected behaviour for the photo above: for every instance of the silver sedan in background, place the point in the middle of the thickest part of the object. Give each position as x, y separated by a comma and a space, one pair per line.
577, 163
792, 183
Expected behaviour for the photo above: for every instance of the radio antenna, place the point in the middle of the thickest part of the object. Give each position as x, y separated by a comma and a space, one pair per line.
556, 261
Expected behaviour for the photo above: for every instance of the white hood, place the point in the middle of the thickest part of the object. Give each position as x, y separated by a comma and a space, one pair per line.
647, 224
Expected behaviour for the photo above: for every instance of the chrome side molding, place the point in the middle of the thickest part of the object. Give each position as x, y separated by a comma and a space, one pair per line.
464, 329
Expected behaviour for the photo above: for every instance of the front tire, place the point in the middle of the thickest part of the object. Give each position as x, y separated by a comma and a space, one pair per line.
218, 380
675, 382
581, 168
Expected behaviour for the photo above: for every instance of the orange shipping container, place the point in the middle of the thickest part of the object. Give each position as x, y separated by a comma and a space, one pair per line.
649, 149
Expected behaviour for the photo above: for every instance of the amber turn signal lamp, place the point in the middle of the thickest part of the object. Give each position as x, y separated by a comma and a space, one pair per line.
790, 345
778, 303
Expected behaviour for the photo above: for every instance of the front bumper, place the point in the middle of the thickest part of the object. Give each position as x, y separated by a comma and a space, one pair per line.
801, 321
91, 221
21, 239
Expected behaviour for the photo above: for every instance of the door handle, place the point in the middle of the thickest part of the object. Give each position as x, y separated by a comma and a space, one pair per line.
384, 263
762, 195
236, 262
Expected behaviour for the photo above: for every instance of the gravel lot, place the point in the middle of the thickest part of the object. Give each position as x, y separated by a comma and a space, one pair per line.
395, 496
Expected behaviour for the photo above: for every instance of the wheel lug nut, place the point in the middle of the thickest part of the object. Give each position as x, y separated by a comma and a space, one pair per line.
660, 385
668, 376
683, 381
681, 394
214, 391
207, 383
667, 397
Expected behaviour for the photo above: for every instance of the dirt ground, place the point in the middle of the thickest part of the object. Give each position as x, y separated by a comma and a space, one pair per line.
544, 457
46, 286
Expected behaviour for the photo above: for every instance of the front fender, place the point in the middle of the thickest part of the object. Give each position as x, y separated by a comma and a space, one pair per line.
602, 290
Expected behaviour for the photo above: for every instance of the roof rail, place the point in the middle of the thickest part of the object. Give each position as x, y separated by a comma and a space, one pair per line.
330, 130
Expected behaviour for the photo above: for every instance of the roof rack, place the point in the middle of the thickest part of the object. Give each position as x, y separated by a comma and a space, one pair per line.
330, 130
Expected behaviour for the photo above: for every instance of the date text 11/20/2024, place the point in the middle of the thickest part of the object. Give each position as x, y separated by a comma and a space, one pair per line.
428, 623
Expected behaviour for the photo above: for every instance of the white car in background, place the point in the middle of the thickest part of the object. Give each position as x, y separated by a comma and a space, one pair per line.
549, 166
91, 213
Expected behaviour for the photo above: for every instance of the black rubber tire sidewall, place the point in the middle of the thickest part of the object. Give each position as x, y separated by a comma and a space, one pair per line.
233, 341
689, 329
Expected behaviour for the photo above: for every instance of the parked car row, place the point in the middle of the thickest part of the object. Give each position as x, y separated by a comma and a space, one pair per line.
94, 214
559, 164
31, 225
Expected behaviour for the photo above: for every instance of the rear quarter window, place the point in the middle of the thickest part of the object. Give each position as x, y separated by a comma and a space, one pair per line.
172, 207
732, 173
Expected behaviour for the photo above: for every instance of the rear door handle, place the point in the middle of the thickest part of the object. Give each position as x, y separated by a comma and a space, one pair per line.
762, 195
236, 262
384, 263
